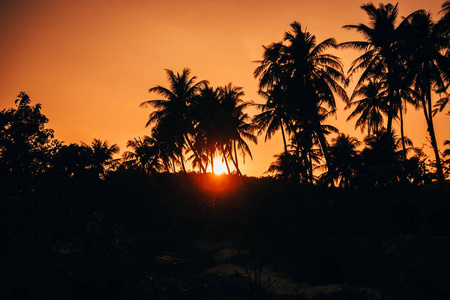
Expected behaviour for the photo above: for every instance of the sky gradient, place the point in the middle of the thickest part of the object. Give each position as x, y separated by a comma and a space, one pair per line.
90, 63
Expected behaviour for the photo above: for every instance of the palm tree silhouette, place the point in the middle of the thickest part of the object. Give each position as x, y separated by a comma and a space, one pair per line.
344, 154
237, 124
382, 159
273, 115
443, 25
429, 67
205, 111
381, 58
299, 79
172, 113
221, 125
371, 104
145, 154
101, 154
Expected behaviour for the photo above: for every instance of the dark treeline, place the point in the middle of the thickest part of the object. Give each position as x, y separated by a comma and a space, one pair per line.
77, 222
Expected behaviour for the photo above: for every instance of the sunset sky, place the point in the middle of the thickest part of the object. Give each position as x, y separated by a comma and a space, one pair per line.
90, 63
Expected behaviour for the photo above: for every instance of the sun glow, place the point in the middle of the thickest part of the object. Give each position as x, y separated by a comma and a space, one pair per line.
219, 166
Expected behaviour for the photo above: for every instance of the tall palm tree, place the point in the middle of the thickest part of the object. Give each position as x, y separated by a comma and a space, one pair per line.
304, 79
429, 67
381, 58
221, 125
172, 112
237, 125
205, 111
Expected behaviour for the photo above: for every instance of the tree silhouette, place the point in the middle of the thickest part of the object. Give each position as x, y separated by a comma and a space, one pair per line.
172, 113
145, 154
237, 124
344, 154
428, 65
381, 58
382, 158
101, 155
370, 105
221, 125
25, 144
299, 80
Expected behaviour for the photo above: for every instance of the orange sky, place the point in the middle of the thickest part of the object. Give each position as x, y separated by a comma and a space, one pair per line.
90, 63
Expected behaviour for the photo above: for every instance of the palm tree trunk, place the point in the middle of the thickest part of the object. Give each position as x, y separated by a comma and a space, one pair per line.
225, 159
310, 167
235, 153
284, 137
212, 163
202, 169
390, 117
402, 134
326, 154
166, 165
175, 172
429, 118
236, 165
183, 166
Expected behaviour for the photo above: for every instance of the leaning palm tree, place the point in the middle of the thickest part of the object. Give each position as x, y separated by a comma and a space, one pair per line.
273, 116
172, 112
429, 67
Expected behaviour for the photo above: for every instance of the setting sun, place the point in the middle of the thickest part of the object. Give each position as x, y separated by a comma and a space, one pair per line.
219, 166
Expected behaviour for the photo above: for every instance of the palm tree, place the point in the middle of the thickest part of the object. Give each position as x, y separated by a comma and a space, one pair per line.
382, 158
381, 58
299, 79
273, 116
220, 124
429, 67
370, 105
101, 154
344, 155
204, 110
443, 25
145, 154
172, 112
288, 167
237, 125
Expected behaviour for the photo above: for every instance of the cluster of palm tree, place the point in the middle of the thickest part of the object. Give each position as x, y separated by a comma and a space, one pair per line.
401, 65
300, 81
193, 122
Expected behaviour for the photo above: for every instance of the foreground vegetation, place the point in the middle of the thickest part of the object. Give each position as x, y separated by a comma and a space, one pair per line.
133, 235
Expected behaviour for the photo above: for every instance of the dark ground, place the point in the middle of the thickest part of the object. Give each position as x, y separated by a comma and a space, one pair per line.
132, 236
